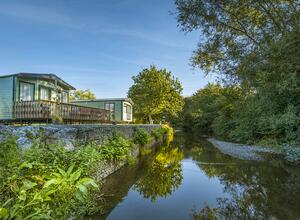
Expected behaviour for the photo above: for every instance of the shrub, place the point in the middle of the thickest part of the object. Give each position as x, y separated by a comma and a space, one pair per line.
164, 133
159, 134
49, 182
141, 137
87, 158
116, 149
9, 152
39, 182
38, 198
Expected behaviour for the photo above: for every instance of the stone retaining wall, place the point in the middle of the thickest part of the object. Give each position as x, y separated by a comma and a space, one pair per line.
70, 135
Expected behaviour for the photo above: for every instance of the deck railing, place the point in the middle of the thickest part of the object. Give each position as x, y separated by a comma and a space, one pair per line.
47, 110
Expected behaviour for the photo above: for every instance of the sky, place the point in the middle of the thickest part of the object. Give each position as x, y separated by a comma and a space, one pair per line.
97, 44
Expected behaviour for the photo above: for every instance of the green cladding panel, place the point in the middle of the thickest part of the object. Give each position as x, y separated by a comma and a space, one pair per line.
6, 97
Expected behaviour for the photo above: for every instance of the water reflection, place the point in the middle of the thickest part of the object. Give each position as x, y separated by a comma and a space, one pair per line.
265, 190
194, 180
163, 176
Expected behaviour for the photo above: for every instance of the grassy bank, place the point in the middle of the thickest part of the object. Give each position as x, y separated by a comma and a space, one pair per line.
49, 182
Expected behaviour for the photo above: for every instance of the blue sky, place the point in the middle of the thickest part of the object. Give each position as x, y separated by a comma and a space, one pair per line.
97, 45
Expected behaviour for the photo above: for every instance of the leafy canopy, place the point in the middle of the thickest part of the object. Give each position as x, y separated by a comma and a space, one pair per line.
156, 92
82, 95
234, 29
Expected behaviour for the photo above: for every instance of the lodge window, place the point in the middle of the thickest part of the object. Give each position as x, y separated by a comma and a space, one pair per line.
26, 92
64, 97
111, 107
127, 111
45, 93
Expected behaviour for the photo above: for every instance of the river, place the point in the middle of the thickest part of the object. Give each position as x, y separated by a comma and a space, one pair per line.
193, 180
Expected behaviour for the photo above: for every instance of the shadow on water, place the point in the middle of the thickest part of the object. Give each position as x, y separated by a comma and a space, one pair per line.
193, 180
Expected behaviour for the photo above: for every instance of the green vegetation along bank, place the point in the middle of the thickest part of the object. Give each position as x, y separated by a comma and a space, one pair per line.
48, 181
256, 58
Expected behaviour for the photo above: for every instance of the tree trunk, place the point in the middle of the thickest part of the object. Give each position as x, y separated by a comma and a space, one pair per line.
150, 119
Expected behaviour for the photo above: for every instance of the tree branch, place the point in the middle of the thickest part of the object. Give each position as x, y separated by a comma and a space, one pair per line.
242, 28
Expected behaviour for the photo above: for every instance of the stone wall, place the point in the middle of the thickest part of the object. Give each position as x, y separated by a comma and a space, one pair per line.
69, 135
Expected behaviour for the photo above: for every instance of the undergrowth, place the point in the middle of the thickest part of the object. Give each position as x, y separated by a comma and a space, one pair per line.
47, 181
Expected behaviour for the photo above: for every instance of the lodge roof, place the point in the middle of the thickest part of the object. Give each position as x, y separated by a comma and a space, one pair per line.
106, 100
45, 76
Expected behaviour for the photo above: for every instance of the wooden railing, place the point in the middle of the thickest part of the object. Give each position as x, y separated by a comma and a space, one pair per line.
47, 110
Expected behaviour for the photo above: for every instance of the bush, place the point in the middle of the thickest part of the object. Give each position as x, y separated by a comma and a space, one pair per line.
159, 134
49, 182
41, 179
164, 133
116, 149
9, 152
141, 137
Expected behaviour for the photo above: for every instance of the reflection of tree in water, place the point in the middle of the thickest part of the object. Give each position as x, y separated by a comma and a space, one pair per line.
256, 190
163, 176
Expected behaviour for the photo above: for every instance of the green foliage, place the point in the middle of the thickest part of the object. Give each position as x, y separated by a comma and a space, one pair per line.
156, 94
82, 95
33, 189
210, 110
164, 133
87, 158
206, 213
158, 134
37, 196
234, 29
141, 137
9, 152
49, 182
116, 149
255, 44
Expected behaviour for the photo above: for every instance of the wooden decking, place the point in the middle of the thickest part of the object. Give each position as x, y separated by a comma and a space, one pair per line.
45, 111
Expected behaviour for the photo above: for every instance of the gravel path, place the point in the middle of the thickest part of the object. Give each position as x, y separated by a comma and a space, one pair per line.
243, 152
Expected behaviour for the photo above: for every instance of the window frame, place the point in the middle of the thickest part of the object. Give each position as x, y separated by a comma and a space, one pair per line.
62, 97
49, 95
24, 82
127, 107
113, 112
109, 104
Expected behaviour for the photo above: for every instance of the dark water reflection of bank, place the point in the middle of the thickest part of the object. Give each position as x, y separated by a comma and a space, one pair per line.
192, 179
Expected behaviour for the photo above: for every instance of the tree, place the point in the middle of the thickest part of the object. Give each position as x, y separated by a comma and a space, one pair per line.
210, 110
156, 93
234, 29
254, 43
82, 95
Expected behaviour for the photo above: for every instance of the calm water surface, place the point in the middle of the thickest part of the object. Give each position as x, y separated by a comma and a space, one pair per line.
193, 180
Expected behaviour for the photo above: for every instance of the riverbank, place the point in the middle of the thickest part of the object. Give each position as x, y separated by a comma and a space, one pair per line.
243, 152
47, 172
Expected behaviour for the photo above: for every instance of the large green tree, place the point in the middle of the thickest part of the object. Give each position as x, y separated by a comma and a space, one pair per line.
156, 93
255, 43
232, 30
82, 95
